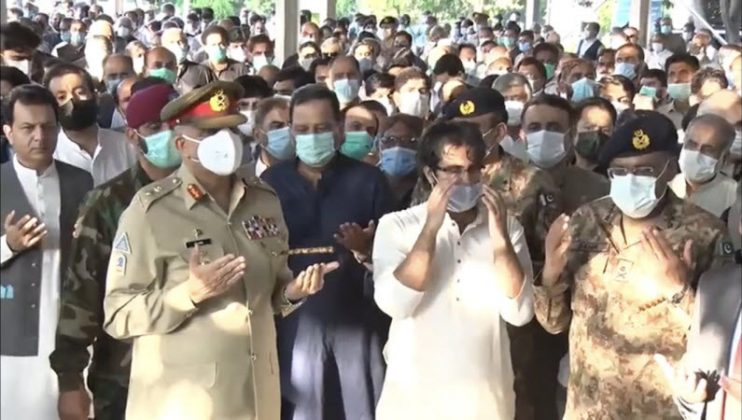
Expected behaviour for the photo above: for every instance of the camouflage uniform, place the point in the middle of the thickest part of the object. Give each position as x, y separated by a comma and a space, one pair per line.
579, 186
614, 332
532, 197
81, 313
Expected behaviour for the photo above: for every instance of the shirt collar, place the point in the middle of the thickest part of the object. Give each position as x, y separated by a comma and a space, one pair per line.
27, 173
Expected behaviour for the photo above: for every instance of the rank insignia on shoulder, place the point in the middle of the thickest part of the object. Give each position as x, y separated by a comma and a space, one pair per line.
120, 266
121, 244
195, 192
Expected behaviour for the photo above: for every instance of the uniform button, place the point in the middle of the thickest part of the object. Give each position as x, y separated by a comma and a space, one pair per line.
458, 280
457, 299
175, 180
33, 284
33, 264
458, 242
458, 261
254, 357
249, 312
157, 188
33, 305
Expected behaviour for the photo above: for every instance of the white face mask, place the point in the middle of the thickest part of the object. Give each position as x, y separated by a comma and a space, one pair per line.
220, 153
236, 54
139, 64
514, 148
22, 65
123, 32
697, 167
464, 197
635, 194
515, 110
248, 126
546, 148
387, 105
658, 47
619, 106
414, 103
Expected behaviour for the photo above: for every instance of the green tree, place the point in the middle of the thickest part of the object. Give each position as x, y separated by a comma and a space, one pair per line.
222, 8
264, 7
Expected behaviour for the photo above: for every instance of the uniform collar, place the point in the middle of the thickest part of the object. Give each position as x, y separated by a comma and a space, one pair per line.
194, 192
670, 216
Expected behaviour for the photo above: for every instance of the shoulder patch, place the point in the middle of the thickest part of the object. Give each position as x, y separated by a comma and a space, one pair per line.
156, 190
121, 244
726, 248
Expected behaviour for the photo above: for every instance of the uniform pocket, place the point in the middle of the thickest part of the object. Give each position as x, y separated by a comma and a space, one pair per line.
201, 375
209, 251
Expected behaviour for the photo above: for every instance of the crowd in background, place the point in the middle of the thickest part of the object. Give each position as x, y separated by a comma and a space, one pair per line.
515, 230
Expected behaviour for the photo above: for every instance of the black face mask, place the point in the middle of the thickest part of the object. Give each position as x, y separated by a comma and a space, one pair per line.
76, 115
589, 144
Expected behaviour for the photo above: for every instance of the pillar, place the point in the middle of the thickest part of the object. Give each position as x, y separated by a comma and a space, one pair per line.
532, 16
639, 18
287, 28
329, 10
3, 13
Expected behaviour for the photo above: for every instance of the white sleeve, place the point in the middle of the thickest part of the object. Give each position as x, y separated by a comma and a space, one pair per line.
5, 253
390, 250
519, 309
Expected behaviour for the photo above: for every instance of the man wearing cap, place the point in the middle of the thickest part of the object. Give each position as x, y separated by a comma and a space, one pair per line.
80, 302
533, 199
189, 75
198, 269
620, 274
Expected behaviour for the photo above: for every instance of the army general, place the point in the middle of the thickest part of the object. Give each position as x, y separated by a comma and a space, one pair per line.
197, 271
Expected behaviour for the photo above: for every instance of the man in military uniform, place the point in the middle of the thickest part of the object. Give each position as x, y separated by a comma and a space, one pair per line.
530, 195
81, 313
197, 271
620, 274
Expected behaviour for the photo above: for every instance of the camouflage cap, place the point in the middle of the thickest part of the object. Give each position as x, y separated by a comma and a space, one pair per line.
209, 107
647, 133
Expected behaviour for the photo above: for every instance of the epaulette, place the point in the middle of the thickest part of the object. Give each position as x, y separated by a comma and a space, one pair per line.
255, 182
156, 190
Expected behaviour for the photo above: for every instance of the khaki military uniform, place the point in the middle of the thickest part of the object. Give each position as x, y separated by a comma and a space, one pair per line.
217, 359
614, 329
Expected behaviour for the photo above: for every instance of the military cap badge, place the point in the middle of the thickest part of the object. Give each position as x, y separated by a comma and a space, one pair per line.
641, 140
219, 102
467, 108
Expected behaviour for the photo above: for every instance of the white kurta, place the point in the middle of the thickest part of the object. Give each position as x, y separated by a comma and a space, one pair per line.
29, 386
448, 353
113, 155
716, 196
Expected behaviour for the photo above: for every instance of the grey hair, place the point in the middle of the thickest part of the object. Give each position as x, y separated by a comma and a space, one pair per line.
724, 130
510, 80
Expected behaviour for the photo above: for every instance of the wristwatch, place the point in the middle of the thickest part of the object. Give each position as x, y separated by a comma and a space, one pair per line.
678, 297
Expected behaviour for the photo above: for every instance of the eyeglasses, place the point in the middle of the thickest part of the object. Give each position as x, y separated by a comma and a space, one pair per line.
391, 141
639, 171
472, 171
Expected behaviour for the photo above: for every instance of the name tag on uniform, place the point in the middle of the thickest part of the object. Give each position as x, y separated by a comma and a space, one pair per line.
623, 269
199, 242
258, 227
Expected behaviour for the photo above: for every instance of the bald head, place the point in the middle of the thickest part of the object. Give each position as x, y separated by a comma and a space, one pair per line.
101, 28
123, 93
311, 30
343, 67
725, 103
160, 57
172, 36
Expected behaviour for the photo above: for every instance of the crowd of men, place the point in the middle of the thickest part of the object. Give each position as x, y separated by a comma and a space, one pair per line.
443, 220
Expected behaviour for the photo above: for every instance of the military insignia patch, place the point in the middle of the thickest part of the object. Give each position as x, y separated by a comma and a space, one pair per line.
120, 265
467, 108
727, 248
195, 192
641, 140
121, 244
258, 227
219, 102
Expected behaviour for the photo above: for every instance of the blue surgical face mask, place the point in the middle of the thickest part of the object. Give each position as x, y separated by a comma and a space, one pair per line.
315, 149
160, 149
666, 29
346, 90
365, 64
76, 39
279, 144
679, 91
464, 197
626, 69
524, 46
398, 161
65, 36
112, 85
583, 89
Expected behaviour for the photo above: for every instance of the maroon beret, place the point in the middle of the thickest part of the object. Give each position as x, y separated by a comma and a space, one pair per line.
145, 105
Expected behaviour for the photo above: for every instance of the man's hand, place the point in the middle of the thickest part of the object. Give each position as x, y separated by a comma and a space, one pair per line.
355, 238
24, 233
437, 205
669, 271
498, 216
213, 279
74, 405
688, 386
733, 387
558, 240
309, 281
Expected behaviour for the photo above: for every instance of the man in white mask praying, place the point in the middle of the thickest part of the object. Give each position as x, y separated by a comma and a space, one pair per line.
707, 142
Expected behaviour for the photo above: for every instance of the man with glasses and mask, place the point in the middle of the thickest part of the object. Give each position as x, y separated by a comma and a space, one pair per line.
532, 198
454, 269
707, 142
200, 257
330, 349
620, 275
90, 252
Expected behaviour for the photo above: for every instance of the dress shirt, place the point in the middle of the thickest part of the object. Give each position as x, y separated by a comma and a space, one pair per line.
260, 166
668, 109
585, 45
657, 60
715, 196
448, 354
112, 156
29, 386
